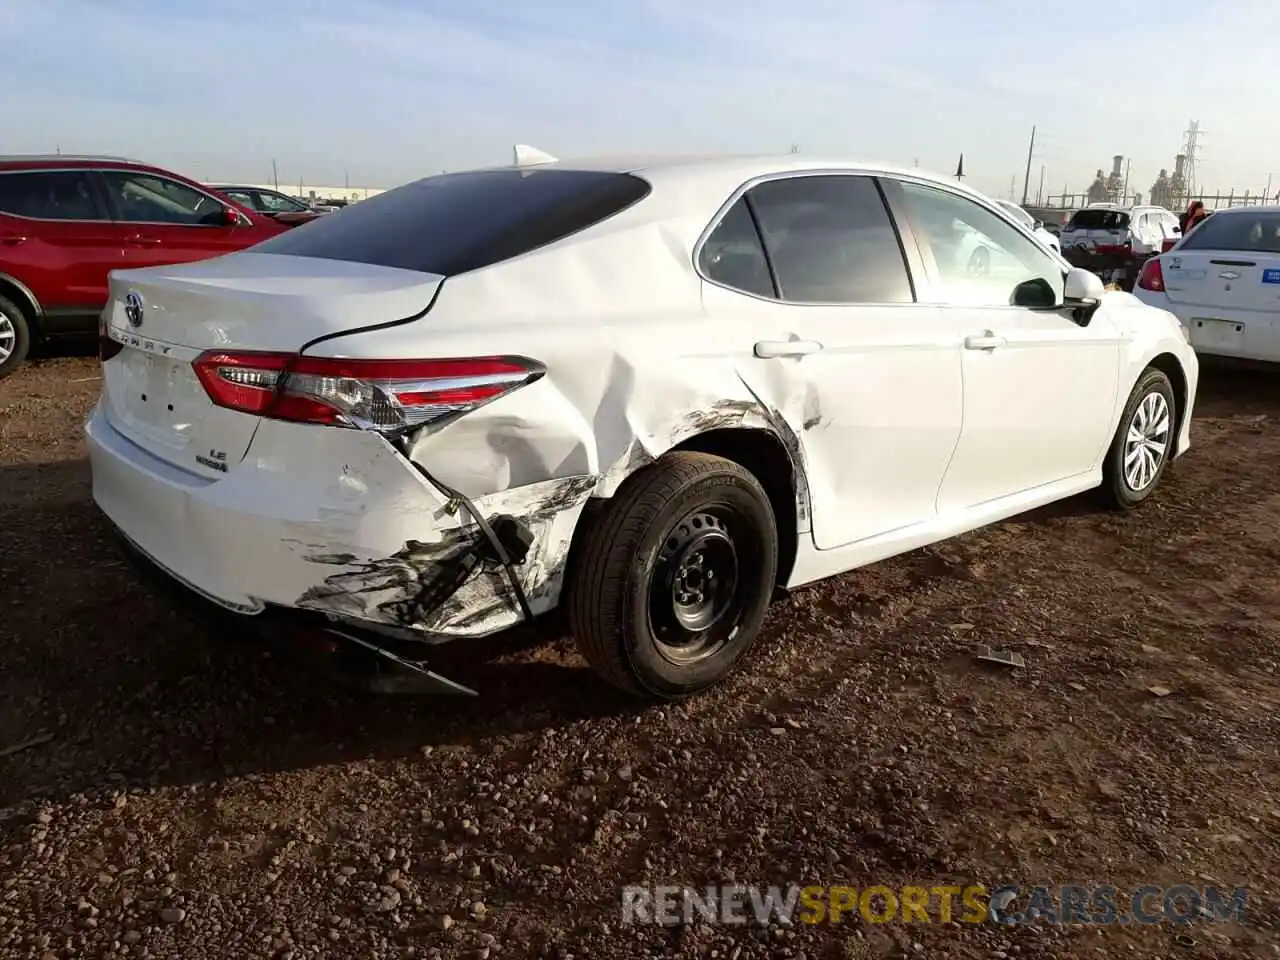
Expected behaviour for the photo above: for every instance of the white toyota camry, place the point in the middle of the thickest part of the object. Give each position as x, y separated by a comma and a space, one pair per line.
650, 391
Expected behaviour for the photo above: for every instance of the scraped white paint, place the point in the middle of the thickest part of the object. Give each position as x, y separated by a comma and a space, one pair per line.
897, 435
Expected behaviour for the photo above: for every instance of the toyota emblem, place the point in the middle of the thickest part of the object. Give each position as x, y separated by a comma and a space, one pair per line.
133, 309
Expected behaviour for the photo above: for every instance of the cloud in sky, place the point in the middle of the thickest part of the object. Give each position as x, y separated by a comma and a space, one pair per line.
390, 90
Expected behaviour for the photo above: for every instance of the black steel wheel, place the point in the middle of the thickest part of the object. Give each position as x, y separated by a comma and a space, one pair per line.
670, 585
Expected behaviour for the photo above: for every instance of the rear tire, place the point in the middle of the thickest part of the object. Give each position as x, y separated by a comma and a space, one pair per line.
671, 582
15, 337
1143, 442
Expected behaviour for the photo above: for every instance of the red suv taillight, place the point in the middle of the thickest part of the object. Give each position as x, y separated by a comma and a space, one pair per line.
1152, 276
389, 396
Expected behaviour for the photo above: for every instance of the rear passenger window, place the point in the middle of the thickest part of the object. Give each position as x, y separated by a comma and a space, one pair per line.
733, 255
51, 195
830, 240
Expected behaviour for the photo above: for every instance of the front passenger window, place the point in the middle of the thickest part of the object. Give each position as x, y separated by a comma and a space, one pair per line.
980, 258
145, 198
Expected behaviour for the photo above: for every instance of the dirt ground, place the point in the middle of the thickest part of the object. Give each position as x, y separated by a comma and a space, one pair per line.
168, 792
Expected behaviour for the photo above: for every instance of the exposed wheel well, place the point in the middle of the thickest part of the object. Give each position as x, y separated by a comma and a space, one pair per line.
22, 299
764, 455
1168, 364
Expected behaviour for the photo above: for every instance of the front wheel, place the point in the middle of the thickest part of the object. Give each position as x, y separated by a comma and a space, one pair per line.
671, 583
1142, 444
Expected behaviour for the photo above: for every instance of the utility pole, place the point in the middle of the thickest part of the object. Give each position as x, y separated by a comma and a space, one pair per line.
1125, 191
1267, 193
275, 175
1040, 192
1026, 182
1013, 182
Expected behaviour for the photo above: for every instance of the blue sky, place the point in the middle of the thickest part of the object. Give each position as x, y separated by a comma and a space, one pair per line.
386, 91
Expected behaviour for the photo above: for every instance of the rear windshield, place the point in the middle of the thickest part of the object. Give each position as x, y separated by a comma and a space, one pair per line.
1099, 220
1249, 232
458, 222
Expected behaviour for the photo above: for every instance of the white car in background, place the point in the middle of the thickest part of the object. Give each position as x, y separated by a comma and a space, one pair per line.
1032, 224
1107, 229
1222, 282
652, 392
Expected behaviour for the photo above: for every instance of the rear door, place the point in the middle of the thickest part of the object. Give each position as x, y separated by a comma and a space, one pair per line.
168, 221
57, 238
868, 380
1223, 281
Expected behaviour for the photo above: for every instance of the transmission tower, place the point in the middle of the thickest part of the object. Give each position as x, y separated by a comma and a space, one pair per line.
1190, 148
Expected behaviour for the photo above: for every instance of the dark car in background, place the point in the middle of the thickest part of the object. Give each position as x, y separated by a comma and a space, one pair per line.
280, 207
66, 222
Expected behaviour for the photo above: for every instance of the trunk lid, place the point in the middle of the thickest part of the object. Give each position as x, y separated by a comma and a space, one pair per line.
1222, 280
165, 317
1230, 261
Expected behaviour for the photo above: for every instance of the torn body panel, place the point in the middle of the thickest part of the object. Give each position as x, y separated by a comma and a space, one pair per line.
453, 585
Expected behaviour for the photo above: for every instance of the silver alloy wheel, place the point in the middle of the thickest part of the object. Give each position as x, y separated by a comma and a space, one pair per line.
1147, 441
8, 338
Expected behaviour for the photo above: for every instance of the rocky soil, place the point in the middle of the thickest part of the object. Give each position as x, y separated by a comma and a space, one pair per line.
171, 791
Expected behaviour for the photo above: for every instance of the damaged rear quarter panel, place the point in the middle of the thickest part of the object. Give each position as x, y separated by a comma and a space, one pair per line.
634, 367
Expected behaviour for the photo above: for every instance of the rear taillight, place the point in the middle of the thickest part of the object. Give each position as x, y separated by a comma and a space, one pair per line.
1152, 276
389, 396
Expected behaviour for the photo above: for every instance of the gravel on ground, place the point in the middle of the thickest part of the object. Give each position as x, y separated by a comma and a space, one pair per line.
169, 791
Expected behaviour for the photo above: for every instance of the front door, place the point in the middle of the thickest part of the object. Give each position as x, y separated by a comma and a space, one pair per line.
168, 221
834, 343
1039, 389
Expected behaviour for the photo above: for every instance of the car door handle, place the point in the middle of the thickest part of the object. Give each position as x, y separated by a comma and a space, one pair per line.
141, 241
985, 341
12, 239
770, 349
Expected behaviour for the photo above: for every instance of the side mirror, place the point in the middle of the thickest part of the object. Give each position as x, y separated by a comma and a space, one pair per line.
231, 217
1035, 293
1082, 286
1037, 225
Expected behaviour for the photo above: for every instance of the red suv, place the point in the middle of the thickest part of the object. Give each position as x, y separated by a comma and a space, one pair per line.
66, 222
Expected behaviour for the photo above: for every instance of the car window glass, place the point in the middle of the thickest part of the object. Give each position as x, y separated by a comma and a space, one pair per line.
458, 222
278, 203
734, 256
145, 198
980, 258
831, 240
1245, 231
241, 197
52, 195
